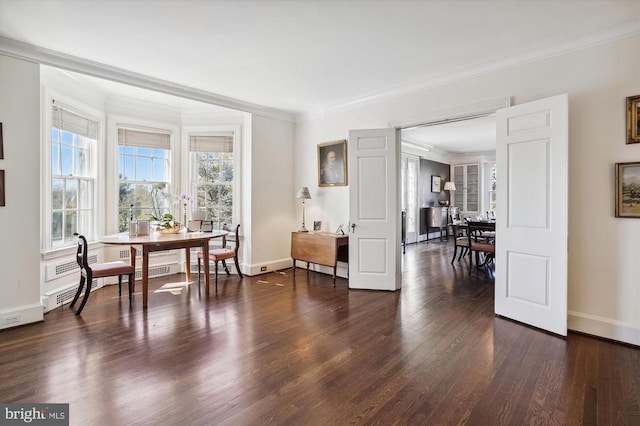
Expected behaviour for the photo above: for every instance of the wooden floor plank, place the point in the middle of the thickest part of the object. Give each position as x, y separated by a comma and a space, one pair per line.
284, 349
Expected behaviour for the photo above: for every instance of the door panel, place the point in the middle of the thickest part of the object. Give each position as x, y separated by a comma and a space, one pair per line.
374, 210
531, 227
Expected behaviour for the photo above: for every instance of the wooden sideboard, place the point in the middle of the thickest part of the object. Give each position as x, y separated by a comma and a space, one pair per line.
432, 218
321, 248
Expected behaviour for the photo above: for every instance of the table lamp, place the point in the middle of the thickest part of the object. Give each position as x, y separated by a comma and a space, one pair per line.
303, 194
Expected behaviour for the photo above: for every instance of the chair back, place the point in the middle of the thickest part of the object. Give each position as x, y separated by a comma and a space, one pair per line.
234, 236
82, 256
475, 229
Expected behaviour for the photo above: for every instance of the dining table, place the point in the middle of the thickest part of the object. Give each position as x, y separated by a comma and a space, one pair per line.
158, 242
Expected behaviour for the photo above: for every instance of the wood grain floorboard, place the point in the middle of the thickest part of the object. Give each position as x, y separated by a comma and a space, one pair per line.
294, 350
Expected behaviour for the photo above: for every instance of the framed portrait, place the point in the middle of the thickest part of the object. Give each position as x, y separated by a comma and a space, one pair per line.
332, 163
633, 119
2, 203
628, 189
435, 183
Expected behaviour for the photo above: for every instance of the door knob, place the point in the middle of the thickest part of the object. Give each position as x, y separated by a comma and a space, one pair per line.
353, 227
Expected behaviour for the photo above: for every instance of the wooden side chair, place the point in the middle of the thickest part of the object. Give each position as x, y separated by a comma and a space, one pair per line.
224, 253
98, 270
478, 244
460, 240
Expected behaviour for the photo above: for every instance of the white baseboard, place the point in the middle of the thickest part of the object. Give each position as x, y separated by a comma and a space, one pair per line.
21, 315
263, 268
604, 327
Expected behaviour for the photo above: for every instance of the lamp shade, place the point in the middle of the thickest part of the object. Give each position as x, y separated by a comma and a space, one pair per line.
449, 186
303, 193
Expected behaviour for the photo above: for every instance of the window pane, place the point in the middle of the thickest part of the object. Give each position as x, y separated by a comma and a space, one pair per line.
145, 152
70, 225
86, 194
71, 194
82, 162
56, 226
129, 168
67, 137
67, 160
159, 169
84, 222
55, 135
55, 159
143, 169
57, 193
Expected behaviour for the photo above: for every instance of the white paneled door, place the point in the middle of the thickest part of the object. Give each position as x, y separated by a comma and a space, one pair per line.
531, 226
374, 209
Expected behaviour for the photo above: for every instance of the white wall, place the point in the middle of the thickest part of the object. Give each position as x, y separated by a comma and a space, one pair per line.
20, 218
268, 194
604, 251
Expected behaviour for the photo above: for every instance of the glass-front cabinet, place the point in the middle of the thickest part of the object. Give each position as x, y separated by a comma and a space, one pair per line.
467, 180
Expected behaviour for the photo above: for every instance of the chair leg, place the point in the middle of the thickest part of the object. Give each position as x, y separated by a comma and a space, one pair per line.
198, 270
455, 250
470, 262
216, 268
87, 292
120, 285
224, 264
80, 286
130, 288
235, 259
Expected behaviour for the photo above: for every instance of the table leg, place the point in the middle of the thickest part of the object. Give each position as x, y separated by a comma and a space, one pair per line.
132, 258
335, 269
205, 259
187, 260
145, 275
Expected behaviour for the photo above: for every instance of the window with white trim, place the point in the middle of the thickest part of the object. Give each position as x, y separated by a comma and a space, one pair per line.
212, 175
74, 138
144, 158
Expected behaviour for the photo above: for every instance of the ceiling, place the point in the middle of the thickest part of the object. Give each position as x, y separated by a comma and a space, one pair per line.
311, 55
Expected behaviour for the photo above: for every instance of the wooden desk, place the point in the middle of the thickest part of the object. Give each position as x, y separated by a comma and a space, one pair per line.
322, 248
157, 242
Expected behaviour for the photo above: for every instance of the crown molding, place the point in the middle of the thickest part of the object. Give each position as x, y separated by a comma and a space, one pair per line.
629, 29
28, 52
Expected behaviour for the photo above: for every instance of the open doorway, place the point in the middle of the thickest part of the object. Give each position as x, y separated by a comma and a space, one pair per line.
459, 150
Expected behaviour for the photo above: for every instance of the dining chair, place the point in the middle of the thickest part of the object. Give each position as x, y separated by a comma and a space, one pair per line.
478, 244
224, 253
98, 270
459, 240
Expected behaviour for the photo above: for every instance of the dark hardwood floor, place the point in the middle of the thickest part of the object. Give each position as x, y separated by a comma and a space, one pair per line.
278, 349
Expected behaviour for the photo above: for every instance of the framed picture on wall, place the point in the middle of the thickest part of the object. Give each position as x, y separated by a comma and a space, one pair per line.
1, 144
435, 183
332, 163
633, 119
2, 203
628, 189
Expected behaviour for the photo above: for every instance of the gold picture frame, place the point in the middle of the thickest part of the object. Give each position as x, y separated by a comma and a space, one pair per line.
628, 189
332, 163
633, 119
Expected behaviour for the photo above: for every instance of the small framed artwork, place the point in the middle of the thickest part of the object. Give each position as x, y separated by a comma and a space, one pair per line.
332, 163
435, 183
206, 226
1, 144
317, 225
633, 119
628, 189
2, 203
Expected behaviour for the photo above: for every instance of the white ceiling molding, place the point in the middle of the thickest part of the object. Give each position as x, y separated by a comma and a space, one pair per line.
629, 29
17, 49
